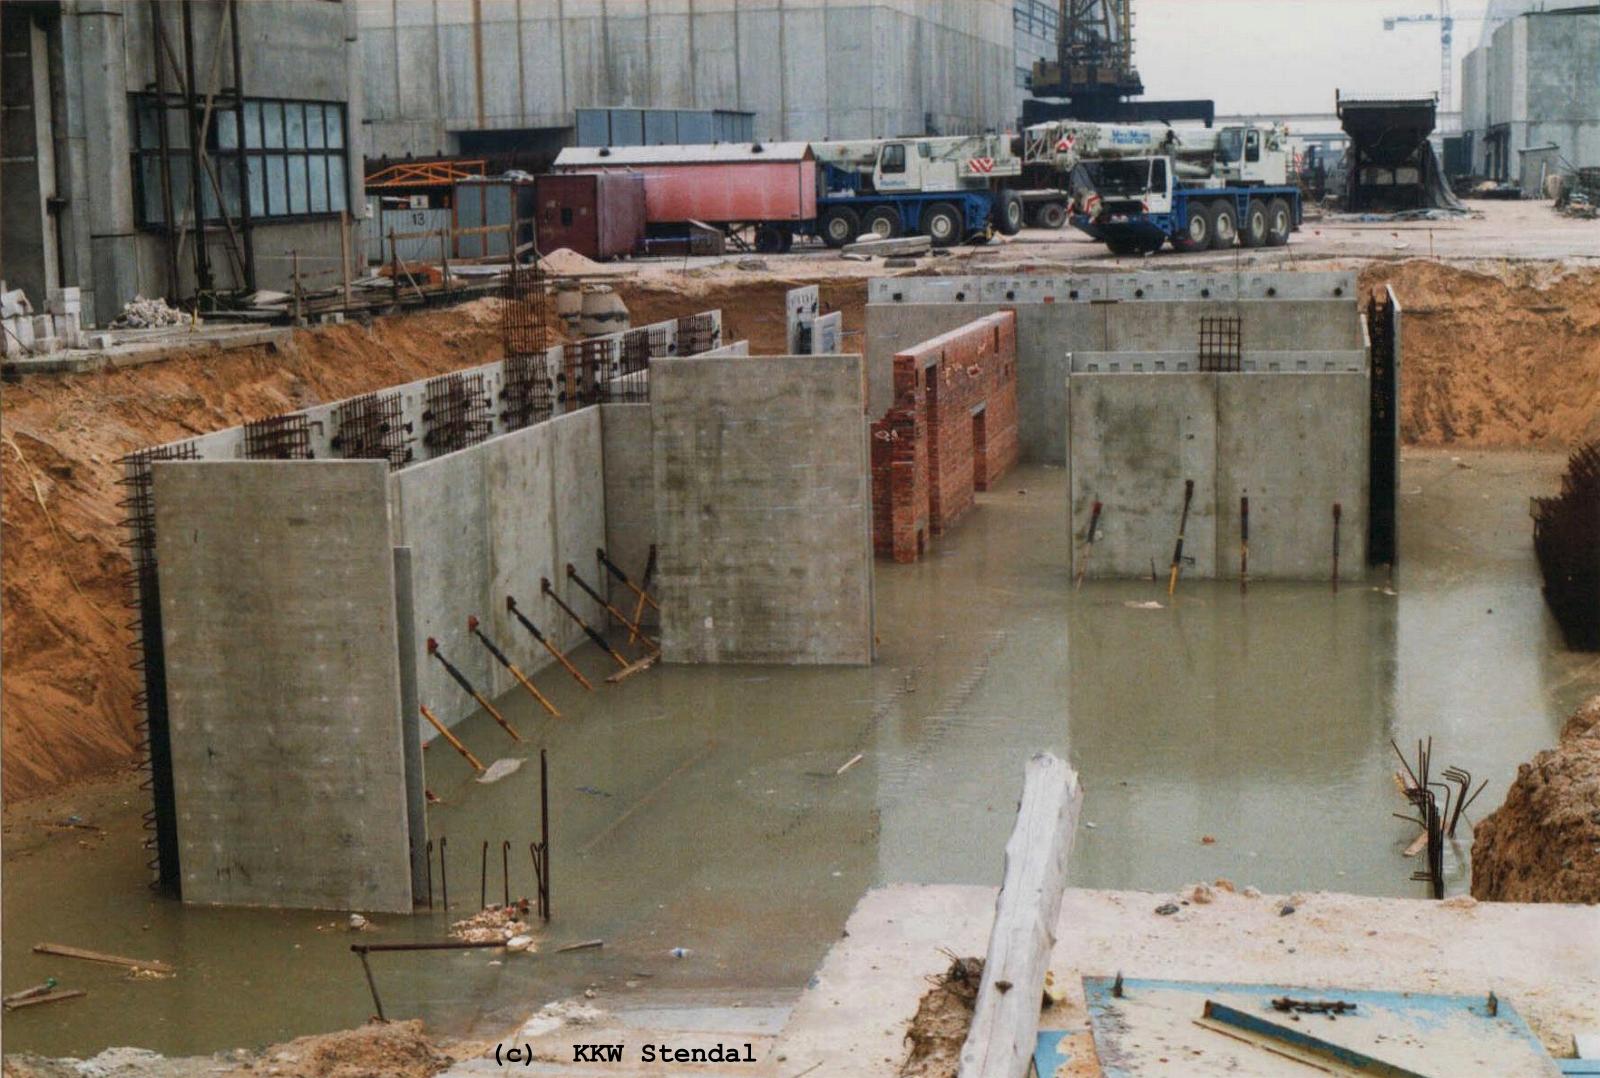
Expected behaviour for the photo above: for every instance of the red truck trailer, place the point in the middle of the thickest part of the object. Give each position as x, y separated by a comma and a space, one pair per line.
600, 215
725, 184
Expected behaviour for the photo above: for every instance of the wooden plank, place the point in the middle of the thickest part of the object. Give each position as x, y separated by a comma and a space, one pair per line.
61, 950
1005, 1018
49, 997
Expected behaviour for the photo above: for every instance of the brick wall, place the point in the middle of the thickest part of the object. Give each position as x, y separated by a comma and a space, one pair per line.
951, 431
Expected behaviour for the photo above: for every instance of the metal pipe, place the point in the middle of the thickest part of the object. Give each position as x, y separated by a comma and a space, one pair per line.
444, 878
544, 831
505, 871
247, 236
511, 667
430, 873
599, 641
372, 985
572, 574
1088, 544
1183, 525
1338, 511
1244, 544
452, 739
461, 679
611, 567
511, 605
156, 32
483, 878
202, 257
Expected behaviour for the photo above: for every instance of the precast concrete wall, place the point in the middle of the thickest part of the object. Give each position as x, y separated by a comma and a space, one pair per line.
763, 509
491, 521
1293, 443
284, 687
1051, 332
630, 494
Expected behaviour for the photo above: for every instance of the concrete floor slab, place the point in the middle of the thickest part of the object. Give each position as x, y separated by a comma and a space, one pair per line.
1542, 959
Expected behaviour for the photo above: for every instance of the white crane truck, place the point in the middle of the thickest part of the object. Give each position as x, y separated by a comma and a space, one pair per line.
948, 188
1136, 187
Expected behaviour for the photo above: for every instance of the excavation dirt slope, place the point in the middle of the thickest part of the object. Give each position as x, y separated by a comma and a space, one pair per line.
1505, 358
1543, 843
69, 685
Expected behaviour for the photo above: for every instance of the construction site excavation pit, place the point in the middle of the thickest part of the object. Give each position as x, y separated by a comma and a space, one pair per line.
715, 824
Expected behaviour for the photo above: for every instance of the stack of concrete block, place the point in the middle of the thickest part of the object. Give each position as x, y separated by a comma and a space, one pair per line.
27, 333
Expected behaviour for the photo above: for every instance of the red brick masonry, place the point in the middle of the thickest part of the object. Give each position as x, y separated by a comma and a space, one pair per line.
951, 431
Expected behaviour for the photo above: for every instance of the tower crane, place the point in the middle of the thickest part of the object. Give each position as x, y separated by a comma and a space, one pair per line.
1446, 22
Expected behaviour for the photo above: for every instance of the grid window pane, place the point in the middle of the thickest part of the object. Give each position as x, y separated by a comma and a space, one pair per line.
297, 184
314, 126
277, 185
317, 166
258, 193
150, 184
252, 125
177, 129
335, 118
227, 131
336, 193
294, 126
272, 121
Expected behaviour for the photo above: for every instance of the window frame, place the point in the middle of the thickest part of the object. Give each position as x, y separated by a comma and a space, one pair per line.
227, 145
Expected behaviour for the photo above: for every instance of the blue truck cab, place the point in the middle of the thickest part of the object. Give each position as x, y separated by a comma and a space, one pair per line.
1138, 204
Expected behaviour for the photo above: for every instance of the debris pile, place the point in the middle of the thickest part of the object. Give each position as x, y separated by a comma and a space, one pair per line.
506, 924
141, 313
943, 1017
27, 333
1580, 195
1543, 843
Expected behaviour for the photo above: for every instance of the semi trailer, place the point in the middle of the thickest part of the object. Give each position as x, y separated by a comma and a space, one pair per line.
951, 189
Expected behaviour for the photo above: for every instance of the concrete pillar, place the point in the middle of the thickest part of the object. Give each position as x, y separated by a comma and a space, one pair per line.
102, 74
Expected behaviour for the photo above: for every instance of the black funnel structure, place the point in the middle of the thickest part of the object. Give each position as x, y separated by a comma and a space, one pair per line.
1392, 166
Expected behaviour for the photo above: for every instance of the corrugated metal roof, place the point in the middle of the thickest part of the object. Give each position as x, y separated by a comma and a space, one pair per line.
602, 156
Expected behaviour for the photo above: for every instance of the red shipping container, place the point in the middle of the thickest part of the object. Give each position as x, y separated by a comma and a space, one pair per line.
597, 214
724, 183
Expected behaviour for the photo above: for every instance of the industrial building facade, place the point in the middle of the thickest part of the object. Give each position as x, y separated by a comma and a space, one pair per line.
252, 109
1531, 97
498, 76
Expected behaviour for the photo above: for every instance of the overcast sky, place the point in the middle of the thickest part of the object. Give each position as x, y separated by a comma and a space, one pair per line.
1287, 56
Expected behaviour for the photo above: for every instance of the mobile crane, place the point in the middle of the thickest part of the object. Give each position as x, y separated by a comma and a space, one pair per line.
1138, 186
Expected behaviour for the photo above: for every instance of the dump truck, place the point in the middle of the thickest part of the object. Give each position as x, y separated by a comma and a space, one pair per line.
1137, 187
950, 189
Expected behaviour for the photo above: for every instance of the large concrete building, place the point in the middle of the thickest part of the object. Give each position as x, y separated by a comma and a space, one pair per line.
498, 76
1531, 96
98, 178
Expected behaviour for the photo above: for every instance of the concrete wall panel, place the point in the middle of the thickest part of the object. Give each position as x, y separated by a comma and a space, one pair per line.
763, 510
278, 605
1135, 440
1295, 444
630, 491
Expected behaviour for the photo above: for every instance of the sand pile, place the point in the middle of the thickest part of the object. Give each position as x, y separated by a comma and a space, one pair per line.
1543, 843
1504, 358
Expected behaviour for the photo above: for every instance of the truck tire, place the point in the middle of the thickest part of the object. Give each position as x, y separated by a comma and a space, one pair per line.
883, 222
1280, 222
1008, 213
1196, 236
1253, 229
1224, 224
773, 239
1052, 215
839, 225
943, 224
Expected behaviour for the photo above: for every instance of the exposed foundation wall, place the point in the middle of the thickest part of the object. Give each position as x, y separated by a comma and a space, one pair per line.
951, 432
763, 509
283, 672
1294, 444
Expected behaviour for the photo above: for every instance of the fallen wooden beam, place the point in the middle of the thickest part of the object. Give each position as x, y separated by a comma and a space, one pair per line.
48, 997
61, 950
903, 245
1005, 1016
633, 668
